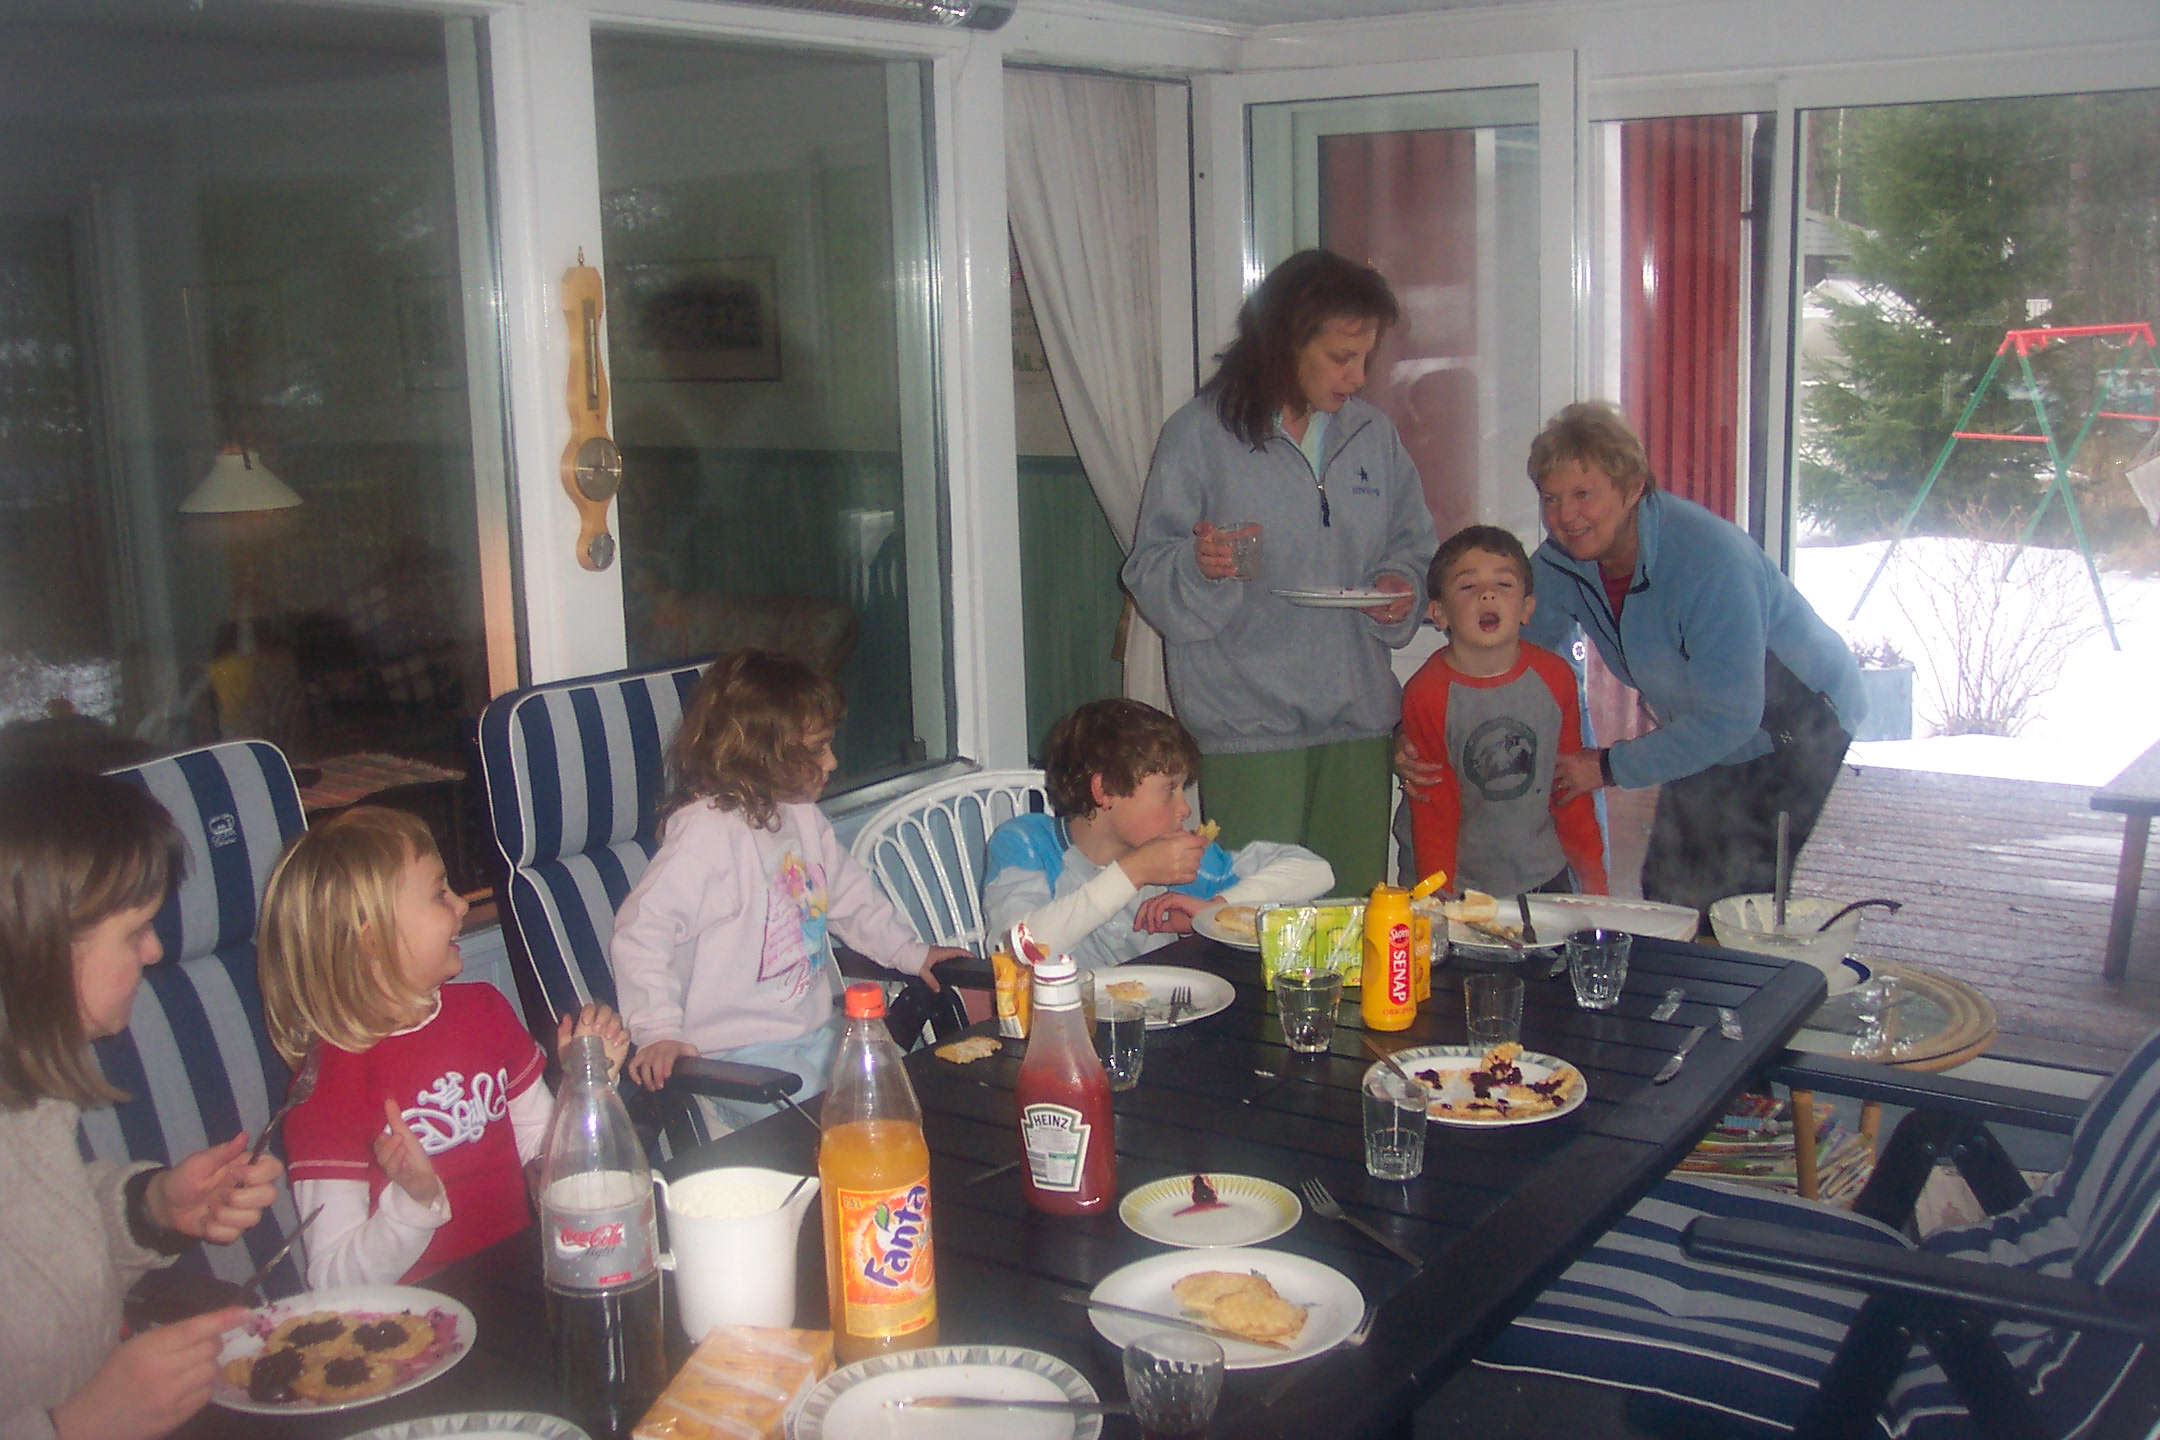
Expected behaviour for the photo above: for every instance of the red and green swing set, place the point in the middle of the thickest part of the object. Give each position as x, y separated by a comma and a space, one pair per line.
2137, 341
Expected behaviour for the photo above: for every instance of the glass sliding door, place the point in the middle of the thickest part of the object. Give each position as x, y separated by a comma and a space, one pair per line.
1458, 187
250, 403
770, 313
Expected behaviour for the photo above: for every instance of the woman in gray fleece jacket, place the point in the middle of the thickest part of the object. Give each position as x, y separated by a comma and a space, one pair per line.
90, 860
1292, 705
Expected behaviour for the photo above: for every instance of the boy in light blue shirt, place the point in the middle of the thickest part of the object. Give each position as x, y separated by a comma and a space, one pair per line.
1112, 872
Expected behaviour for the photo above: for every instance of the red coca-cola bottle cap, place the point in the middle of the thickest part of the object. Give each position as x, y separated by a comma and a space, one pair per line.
865, 1001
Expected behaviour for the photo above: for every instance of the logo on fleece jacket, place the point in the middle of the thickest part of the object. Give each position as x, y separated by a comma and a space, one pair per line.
795, 924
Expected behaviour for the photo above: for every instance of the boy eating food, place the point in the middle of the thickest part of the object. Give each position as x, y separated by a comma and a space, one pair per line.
1498, 711
1112, 872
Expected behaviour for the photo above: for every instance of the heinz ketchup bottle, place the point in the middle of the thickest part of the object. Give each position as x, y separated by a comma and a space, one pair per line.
1064, 1100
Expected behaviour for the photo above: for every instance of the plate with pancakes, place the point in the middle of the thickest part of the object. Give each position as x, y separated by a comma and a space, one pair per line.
1291, 1306
1505, 1085
329, 1350
1234, 925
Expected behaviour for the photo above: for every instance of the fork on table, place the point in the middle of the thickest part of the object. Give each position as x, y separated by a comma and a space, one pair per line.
1180, 1001
1323, 1204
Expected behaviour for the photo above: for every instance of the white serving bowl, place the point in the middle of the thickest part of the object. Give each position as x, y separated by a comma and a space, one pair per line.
1743, 922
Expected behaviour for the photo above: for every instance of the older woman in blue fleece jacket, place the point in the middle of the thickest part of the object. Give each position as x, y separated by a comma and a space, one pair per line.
1755, 697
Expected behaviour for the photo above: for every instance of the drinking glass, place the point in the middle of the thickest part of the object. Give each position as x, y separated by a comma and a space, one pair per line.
1174, 1380
1492, 1008
1244, 538
1597, 963
1305, 1002
1394, 1125
1121, 1040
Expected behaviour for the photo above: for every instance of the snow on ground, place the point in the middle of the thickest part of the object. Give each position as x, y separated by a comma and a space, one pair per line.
2102, 712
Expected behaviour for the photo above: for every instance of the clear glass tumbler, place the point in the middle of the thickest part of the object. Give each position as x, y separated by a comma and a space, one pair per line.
1492, 1008
1174, 1380
1597, 963
1121, 1040
1305, 1002
1394, 1125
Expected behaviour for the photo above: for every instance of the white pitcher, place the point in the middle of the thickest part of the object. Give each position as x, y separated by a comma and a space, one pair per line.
731, 1237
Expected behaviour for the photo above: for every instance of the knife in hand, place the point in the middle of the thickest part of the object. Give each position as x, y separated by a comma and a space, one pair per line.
1672, 1066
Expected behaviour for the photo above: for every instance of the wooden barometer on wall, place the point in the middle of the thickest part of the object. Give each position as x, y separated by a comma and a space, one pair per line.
591, 465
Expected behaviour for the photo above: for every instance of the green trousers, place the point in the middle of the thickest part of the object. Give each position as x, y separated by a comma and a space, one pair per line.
1332, 799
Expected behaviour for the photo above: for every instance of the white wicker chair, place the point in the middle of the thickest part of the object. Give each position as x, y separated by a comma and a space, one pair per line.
926, 849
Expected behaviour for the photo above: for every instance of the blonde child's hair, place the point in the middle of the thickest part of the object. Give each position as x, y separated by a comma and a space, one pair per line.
327, 947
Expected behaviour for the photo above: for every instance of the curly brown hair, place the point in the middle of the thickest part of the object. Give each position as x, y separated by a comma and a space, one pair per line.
1258, 375
1595, 435
1124, 741
76, 849
743, 742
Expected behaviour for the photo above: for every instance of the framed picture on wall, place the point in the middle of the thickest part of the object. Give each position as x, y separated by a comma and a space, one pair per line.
693, 320
431, 332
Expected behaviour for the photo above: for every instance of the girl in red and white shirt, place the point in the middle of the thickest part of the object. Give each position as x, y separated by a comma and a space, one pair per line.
430, 1101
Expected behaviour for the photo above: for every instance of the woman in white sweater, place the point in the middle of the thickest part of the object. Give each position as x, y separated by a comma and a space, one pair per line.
89, 861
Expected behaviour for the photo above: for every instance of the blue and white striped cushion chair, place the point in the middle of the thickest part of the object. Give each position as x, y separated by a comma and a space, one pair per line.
1637, 1312
574, 774
195, 1060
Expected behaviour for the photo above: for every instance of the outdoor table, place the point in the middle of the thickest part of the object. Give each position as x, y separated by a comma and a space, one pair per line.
1938, 1023
1496, 1214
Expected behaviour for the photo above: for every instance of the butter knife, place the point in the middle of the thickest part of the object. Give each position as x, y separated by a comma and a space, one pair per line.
987, 1402
1529, 931
1089, 1302
1672, 1066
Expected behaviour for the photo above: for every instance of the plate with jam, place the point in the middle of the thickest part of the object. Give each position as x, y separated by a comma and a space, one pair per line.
329, 1350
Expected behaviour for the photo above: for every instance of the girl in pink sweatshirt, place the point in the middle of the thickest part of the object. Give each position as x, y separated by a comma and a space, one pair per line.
724, 948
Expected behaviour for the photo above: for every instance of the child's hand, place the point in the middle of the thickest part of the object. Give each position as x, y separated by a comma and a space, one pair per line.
1170, 913
1171, 859
596, 1019
652, 1064
215, 1194
937, 953
398, 1151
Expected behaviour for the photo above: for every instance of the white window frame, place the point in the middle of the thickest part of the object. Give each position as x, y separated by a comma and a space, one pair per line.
547, 164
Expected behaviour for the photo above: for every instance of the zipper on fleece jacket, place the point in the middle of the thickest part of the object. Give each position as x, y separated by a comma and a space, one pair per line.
1319, 484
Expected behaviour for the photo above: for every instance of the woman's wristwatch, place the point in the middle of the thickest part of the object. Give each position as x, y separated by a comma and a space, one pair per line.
142, 1225
1604, 766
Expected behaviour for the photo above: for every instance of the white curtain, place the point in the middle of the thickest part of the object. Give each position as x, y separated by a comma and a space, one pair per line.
1080, 186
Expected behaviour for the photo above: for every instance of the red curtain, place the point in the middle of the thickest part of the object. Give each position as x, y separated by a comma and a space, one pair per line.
1405, 203
1680, 275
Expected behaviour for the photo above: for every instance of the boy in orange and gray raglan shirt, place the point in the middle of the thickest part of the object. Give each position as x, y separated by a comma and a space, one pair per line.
1498, 711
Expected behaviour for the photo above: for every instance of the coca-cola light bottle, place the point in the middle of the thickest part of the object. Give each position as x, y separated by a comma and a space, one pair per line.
598, 1250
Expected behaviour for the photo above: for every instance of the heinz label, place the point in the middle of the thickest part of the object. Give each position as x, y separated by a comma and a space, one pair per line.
889, 1286
1055, 1138
599, 1231
1399, 980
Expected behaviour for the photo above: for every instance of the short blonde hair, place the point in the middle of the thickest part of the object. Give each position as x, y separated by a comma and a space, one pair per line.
327, 949
1594, 434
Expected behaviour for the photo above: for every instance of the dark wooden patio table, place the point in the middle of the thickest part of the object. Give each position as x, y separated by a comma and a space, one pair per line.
1496, 1215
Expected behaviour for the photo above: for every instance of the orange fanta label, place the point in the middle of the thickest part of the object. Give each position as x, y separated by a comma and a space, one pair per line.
887, 1279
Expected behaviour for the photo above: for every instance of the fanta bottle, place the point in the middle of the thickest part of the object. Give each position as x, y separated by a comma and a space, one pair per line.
874, 1175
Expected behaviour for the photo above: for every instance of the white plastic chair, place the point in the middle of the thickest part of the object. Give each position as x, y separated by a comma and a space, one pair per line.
926, 849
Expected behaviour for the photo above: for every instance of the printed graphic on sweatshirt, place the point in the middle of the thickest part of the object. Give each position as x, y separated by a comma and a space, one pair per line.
448, 1114
1500, 758
795, 923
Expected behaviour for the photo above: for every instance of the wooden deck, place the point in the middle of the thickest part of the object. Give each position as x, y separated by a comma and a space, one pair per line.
2007, 885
